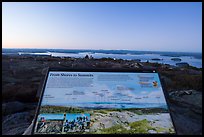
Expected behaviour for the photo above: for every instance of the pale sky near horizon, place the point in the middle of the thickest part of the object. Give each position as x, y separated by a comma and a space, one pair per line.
147, 26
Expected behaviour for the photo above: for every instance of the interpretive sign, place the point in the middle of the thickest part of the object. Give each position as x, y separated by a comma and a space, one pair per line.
79, 102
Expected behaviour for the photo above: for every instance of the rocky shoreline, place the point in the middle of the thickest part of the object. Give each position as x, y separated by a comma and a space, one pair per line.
125, 119
22, 77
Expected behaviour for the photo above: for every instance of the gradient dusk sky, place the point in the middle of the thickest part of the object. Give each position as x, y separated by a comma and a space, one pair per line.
144, 26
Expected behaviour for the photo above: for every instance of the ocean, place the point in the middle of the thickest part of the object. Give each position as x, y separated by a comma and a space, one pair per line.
110, 105
60, 116
52, 116
193, 59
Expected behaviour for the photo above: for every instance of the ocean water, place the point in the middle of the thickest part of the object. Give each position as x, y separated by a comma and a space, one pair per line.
52, 116
194, 59
71, 117
60, 116
99, 105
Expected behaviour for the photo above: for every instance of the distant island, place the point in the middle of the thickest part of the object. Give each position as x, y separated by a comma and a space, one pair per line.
193, 59
157, 59
176, 59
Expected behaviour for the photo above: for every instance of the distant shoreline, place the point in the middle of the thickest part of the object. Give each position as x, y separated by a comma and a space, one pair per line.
193, 59
125, 50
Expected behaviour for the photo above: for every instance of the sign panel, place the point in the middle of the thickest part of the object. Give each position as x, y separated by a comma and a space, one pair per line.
103, 103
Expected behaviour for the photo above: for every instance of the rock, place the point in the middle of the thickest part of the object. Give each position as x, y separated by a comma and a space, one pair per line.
86, 57
12, 107
16, 124
193, 124
44, 71
156, 59
182, 64
176, 59
182, 93
134, 65
151, 131
22, 93
137, 60
186, 108
188, 92
140, 64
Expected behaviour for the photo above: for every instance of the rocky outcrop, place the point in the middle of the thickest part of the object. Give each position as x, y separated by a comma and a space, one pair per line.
186, 108
16, 124
23, 93
156, 59
12, 107
176, 59
182, 64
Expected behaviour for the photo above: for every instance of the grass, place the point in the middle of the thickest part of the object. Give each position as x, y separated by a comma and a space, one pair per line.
138, 127
141, 126
160, 129
117, 129
62, 109
102, 111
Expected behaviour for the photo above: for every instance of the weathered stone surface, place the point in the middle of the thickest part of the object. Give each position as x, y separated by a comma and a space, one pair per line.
176, 59
182, 64
16, 124
23, 93
156, 59
12, 107
186, 108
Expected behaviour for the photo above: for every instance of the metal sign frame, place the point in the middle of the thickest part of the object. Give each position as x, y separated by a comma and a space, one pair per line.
104, 70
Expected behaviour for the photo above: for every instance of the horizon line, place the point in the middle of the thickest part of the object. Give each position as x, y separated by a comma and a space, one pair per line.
109, 49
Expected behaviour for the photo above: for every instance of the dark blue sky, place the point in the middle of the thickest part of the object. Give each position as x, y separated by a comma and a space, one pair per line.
135, 26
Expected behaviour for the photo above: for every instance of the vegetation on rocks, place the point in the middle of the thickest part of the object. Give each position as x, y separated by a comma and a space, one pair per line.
60, 109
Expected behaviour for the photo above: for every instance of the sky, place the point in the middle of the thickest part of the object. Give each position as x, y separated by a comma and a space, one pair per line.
147, 26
